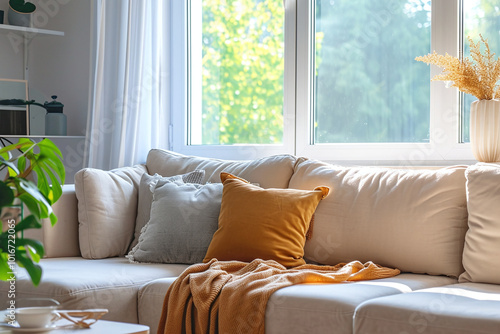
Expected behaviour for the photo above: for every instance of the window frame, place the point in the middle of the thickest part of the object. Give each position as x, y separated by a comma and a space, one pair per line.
444, 147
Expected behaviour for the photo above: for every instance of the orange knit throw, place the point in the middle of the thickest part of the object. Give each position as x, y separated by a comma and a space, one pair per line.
218, 297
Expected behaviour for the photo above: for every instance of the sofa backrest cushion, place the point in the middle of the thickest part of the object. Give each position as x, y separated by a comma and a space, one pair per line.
268, 172
414, 220
482, 241
107, 209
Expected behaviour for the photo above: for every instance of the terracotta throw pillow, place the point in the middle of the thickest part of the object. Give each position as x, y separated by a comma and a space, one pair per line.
268, 224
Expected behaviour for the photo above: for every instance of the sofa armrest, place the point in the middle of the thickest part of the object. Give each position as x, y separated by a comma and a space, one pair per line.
61, 240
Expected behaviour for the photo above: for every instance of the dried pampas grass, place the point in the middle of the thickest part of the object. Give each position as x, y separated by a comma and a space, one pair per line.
478, 76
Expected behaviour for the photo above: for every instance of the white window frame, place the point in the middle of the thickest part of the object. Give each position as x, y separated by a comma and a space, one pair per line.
444, 147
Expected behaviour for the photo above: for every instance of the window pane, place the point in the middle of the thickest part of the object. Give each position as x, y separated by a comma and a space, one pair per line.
237, 66
368, 87
480, 17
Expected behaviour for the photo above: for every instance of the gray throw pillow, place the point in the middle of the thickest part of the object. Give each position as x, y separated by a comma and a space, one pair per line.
145, 196
184, 217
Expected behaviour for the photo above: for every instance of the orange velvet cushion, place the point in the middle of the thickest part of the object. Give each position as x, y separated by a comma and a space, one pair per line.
268, 224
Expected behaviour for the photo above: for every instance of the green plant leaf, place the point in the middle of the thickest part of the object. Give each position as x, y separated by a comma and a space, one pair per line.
53, 218
34, 247
34, 270
48, 162
42, 184
57, 166
7, 195
21, 163
6, 163
29, 222
29, 194
54, 189
50, 146
31, 204
51, 154
23, 144
44, 160
30, 188
5, 155
21, 6
4, 243
33, 254
4, 267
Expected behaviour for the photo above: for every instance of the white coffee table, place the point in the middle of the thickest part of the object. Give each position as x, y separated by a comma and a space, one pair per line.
100, 327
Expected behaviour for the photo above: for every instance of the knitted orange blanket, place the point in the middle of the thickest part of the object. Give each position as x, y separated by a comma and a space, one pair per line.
218, 297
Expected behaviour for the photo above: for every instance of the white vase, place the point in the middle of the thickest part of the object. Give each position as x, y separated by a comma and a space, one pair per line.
485, 130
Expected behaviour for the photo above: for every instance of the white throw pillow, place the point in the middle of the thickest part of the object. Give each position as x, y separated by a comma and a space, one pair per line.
107, 208
145, 196
269, 172
482, 241
414, 220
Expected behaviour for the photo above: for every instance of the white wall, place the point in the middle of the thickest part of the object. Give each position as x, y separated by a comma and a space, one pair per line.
11, 60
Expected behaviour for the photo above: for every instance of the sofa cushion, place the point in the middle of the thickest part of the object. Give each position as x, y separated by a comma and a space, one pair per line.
269, 172
150, 302
482, 241
304, 308
319, 308
453, 309
183, 220
107, 207
145, 196
61, 240
413, 220
79, 283
257, 223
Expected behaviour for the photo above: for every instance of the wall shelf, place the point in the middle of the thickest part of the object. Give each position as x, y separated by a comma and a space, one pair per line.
42, 136
25, 35
30, 32
2, 107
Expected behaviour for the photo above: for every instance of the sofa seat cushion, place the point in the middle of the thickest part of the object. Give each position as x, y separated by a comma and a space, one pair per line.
150, 302
79, 283
455, 309
304, 308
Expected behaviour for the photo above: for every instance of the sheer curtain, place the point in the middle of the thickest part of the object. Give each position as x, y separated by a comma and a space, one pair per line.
129, 102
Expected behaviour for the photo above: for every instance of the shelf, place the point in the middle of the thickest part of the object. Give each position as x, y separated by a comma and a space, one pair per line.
42, 136
30, 31
3, 107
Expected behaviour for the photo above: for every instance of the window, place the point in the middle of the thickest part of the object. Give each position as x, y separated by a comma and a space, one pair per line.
334, 80
237, 67
480, 17
367, 86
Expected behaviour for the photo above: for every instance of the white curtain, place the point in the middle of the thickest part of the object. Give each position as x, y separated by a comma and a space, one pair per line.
129, 102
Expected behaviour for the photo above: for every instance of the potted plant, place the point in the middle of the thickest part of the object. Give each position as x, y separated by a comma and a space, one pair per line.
42, 160
20, 12
478, 77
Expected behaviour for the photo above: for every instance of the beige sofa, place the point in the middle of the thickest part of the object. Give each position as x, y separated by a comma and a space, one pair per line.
440, 227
